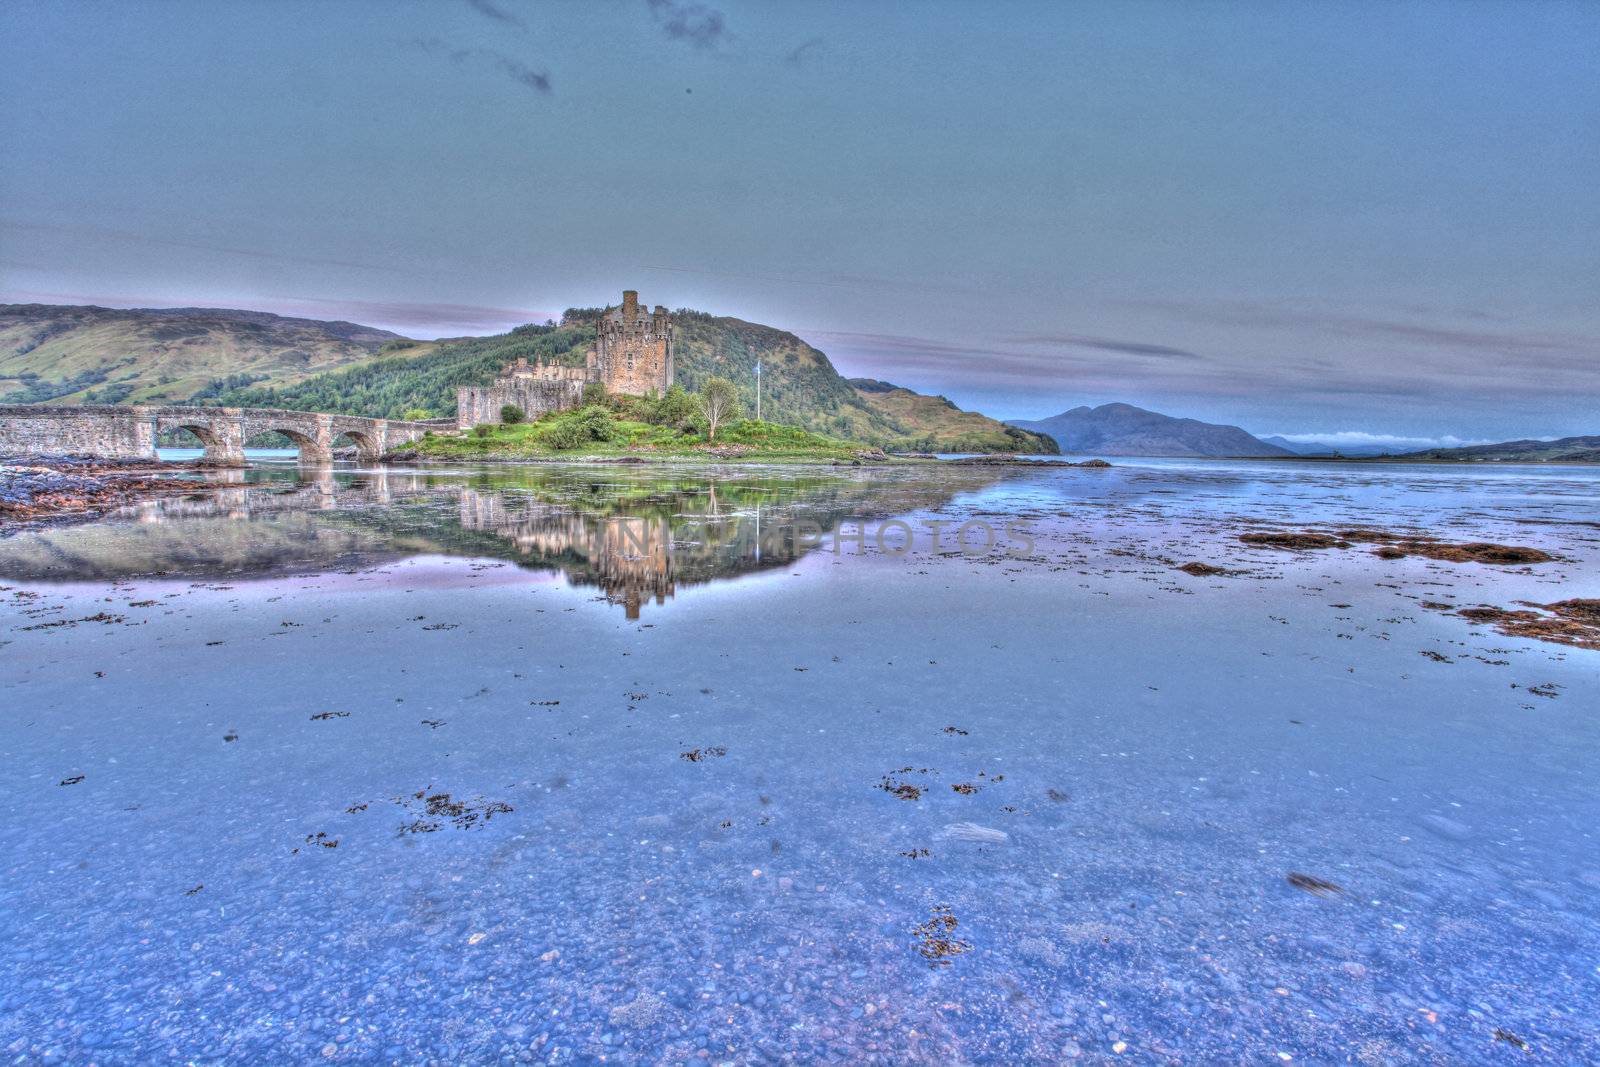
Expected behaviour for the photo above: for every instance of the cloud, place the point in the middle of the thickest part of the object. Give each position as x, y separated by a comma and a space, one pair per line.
833, 281
1422, 333
798, 55
697, 24
1364, 439
200, 246
498, 14
951, 361
1132, 348
518, 71
422, 319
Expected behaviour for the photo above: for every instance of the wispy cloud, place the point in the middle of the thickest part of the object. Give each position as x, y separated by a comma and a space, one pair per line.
497, 13
1432, 334
1131, 348
515, 69
416, 318
96, 232
798, 55
832, 281
697, 24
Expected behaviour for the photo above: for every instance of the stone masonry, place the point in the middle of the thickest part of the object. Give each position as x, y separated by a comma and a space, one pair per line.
632, 354
131, 432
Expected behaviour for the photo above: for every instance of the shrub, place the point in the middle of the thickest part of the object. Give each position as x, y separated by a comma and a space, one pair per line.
676, 409
596, 424
565, 434
595, 393
416, 414
510, 414
483, 430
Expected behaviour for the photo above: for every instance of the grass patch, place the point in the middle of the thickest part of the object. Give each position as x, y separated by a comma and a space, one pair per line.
597, 431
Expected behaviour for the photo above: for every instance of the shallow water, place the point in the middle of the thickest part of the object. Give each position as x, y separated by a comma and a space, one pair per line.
572, 764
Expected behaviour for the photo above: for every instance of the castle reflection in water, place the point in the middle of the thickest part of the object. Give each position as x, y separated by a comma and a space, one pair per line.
629, 558
633, 559
637, 536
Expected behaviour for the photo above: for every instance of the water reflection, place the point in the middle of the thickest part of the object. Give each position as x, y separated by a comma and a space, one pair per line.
635, 535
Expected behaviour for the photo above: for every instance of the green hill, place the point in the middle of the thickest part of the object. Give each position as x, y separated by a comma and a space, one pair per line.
73, 355
1563, 450
799, 386
934, 424
76, 355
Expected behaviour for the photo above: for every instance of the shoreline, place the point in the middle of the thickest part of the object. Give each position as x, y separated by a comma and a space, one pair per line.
49, 490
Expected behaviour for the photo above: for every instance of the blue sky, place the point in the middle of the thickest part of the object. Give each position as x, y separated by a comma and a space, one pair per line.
1302, 218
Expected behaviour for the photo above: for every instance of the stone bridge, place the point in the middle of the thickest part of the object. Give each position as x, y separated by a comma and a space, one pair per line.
106, 431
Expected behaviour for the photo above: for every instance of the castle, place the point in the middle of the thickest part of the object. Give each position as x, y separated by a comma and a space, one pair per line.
632, 353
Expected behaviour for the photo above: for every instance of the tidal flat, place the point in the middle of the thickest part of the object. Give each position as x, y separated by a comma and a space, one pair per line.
1197, 762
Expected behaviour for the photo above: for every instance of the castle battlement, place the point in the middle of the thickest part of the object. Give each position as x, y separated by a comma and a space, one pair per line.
632, 354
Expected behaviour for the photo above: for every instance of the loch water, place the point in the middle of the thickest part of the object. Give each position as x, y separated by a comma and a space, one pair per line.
913, 764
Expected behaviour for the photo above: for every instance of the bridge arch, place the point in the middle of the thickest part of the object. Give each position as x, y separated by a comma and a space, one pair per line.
313, 449
219, 437
208, 440
367, 444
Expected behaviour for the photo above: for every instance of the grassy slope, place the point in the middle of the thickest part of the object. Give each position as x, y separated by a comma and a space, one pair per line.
933, 423
798, 384
67, 355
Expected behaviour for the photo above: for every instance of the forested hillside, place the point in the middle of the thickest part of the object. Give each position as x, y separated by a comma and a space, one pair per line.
420, 380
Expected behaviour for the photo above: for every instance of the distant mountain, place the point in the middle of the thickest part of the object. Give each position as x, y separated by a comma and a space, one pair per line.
1124, 430
934, 424
1326, 448
1566, 449
76, 355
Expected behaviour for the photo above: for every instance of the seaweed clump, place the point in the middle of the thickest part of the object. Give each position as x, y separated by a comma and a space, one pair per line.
1565, 622
1314, 885
936, 940
437, 809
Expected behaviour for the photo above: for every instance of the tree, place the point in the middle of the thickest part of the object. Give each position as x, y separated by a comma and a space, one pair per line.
719, 402
417, 414
594, 393
510, 414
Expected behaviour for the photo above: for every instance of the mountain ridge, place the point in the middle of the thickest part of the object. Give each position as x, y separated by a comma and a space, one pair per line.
1581, 449
1119, 429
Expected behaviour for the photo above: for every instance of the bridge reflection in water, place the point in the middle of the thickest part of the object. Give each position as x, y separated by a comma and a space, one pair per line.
635, 535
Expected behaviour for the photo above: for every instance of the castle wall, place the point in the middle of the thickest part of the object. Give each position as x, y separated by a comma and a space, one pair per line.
477, 404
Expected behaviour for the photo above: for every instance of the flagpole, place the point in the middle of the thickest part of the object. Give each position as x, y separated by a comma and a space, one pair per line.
758, 390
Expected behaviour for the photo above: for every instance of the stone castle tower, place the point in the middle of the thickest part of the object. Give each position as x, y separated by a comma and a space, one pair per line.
632, 354
633, 348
